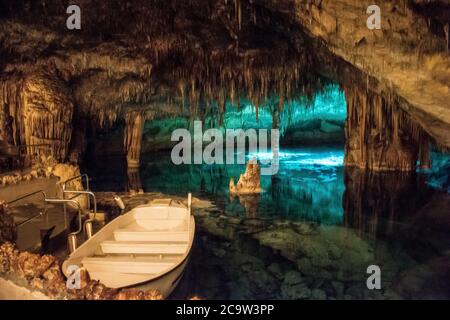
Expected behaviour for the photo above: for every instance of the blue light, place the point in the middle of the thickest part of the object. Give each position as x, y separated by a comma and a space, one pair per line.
304, 159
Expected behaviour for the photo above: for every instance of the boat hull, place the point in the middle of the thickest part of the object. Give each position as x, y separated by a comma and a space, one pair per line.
166, 283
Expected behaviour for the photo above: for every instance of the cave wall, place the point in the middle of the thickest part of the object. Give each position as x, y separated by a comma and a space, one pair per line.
39, 107
408, 56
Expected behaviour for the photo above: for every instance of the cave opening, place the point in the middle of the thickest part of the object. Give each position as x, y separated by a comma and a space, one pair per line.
312, 139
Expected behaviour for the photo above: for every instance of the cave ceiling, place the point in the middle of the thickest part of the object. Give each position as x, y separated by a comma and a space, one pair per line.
138, 55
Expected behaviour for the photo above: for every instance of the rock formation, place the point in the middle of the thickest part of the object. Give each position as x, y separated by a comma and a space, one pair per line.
381, 136
8, 230
43, 273
249, 182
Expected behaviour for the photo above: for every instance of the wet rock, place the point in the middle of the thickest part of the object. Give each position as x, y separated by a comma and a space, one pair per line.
218, 252
130, 295
275, 269
413, 282
154, 294
256, 222
38, 284
306, 228
261, 280
373, 295
334, 252
339, 288
320, 259
56, 289
247, 262
295, 292
318, 294
391, 295
8, 257
356, 292
85, 279
53, 274
34, 174
27, 263
33, 265
97, 291
305, 266
8, 229
240, 289
284, 239
234, 220
292, 278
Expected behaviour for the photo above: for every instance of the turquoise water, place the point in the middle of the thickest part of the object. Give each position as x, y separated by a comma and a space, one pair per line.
312, 233
309, 184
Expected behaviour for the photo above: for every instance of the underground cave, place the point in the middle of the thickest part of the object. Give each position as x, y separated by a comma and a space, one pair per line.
93, 205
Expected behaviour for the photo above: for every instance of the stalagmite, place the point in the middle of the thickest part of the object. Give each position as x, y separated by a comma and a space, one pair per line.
134, 126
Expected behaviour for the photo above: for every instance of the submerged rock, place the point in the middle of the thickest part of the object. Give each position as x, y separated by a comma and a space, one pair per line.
318, 294
275, 269
292, 278
296, 292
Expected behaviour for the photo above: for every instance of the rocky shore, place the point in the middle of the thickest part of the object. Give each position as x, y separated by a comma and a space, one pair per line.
42, 273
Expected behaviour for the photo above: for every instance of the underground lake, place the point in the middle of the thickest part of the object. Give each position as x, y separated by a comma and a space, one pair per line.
315, 216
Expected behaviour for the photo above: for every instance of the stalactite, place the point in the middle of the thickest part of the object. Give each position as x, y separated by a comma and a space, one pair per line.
41, 108
134, 126
238, 13
380, 135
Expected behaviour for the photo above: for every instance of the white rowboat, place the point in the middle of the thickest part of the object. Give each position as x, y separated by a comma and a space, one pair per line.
145, 248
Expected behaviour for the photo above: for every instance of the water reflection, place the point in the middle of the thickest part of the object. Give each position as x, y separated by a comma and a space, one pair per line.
377, 203
308, 186
134, 184
312, 232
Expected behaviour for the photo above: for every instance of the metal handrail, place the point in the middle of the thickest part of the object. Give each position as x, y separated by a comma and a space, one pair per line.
81, 176
81, 192
64, 201
28, 195
41, 213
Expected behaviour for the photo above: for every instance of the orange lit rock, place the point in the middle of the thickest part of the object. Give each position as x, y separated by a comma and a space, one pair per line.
249, 182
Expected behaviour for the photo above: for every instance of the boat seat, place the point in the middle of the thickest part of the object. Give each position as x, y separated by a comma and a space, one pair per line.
129, 264
150, 236
161, 224
141, 247
163, 213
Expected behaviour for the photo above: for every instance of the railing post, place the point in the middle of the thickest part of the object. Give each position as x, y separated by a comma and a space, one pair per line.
71, 243
88, 229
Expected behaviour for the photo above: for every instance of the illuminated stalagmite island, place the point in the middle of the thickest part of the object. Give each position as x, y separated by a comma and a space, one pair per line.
249, 182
